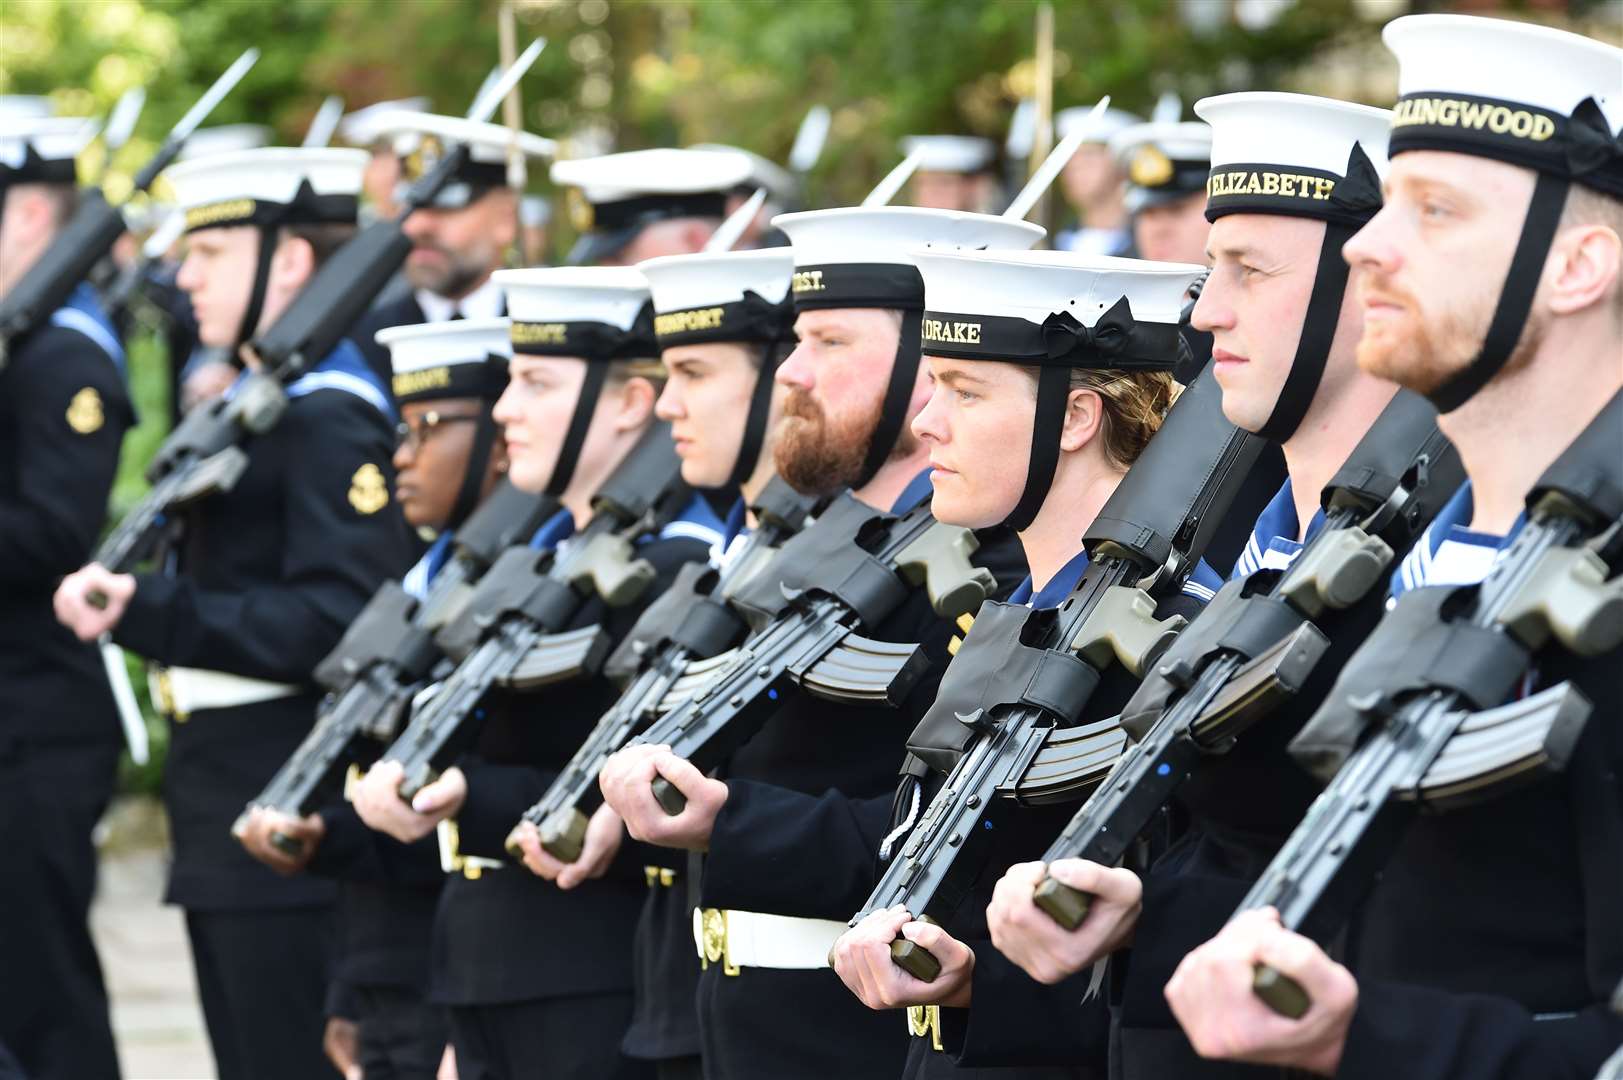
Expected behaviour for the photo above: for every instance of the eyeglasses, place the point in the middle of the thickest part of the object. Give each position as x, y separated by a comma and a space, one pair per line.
413, 435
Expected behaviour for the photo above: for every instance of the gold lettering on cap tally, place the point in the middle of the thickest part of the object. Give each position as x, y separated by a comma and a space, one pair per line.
1264, 182
1475, 115
415, 382
219, 213
808, 281
953, 333
681, 322
534, 333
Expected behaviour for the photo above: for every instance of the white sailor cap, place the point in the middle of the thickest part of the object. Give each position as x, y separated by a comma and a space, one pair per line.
1529, 95
721, 296
420, 139
1164, 161
461, 358
42, 149
24, 107
224, 139
360, 128
781, 186
613, 197
591, 312
1054, 308
279, 185
968, 154
1109, 123
1296, 155
865, 256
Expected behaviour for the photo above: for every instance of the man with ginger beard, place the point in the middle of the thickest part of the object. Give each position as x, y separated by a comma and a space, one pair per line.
789, 835
459, 240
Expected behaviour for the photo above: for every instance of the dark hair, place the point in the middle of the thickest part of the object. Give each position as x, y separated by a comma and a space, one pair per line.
324, 239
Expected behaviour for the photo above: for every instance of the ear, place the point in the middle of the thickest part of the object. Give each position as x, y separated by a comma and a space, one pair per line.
1084, 413
503, 216
1582, 269
635, 409
292, 263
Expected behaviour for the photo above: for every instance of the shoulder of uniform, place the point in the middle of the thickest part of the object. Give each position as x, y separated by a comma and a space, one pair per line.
325, 402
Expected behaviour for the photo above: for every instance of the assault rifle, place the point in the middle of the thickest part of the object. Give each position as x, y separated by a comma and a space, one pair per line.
96, 226
203, 456
1256, 643
690, 621
385, 655
1023, 675
1419, 718
528, 595
845, 573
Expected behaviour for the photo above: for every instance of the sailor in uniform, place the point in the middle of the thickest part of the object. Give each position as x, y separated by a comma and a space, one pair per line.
955, 172
1166, 165
1095, 185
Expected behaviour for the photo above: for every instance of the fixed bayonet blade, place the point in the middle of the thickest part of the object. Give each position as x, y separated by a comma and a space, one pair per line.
733, 228
1054, 162
215, 94
325, 122
121, 124
886, 189
490, 96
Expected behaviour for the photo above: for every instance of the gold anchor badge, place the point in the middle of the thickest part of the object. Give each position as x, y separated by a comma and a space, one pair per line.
85, 414
1150, 167
368, 493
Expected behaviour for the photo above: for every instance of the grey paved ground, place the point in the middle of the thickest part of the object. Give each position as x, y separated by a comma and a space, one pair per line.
144, 954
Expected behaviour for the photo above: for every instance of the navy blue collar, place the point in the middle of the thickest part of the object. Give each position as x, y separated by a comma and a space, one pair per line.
1450, 526
554, 531
1058, 588
1275, 531
917, 490
734, 525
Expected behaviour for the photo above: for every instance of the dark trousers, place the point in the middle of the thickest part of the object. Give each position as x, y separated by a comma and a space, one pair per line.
682, 1068
262, 976
53, 1005
570, 1038
403, 1037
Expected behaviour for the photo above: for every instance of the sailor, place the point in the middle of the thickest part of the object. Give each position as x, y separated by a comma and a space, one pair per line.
538, 980
1490, 282
1166, 165
955, 172
640, 204
259, 588
459, 239
1275, 249
1032, 422
447, 377
380, 182
534, 221
1095, 184
813, 787
64, 409
784, 194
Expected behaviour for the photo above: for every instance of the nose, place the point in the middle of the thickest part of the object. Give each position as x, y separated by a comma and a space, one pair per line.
417, 226
186, 277
929, 425
506, 410
668, 406
796, 369
403, 456
1372, 247
1212, 311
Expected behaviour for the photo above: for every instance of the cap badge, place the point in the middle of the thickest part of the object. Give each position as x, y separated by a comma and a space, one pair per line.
581, 214
425, 157
1150, 167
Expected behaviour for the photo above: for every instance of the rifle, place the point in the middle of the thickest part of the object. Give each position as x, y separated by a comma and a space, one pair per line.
845, 573
96, 226
1419, 719
528, 596
1256, 643
691, 621
203, 456
1024, 675
387, 653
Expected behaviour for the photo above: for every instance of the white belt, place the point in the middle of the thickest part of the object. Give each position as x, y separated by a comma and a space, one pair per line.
741, 939
182, 691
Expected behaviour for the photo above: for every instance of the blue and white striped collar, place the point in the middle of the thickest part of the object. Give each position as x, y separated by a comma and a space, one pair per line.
697, 521
1273, 544
1449, 552
82, 311
735, 532
345, 369
1202, 584
554, 531
418, 579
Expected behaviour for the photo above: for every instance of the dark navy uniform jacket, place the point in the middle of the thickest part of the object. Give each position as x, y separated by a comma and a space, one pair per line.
263, 582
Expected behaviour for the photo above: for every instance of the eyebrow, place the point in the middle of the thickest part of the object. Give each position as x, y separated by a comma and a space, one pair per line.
958, 375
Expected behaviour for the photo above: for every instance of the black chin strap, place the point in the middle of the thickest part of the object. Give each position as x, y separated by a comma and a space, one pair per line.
1053, 391
597, 373
904, 373
1515, 298
749, 447
256, 295
1318, 334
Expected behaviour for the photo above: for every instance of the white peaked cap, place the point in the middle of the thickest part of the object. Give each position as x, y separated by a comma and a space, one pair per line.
224, 139
660, 171
420, 346
1184, 140
563, 294
1293, 130
681, 282
892, 235
1509, 61
951, 153
486, 142
780, 184
53, 138
1032, 285
23, 107
361, 126
1112, 121
271, 175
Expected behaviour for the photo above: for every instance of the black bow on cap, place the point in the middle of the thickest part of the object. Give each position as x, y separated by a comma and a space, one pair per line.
1591, 146
1357, 196
1065, 338
764, 318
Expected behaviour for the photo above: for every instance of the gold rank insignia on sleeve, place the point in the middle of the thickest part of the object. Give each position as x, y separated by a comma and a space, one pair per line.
368, 491
85, 413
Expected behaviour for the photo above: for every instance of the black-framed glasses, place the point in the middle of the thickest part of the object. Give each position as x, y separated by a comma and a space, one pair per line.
413, 434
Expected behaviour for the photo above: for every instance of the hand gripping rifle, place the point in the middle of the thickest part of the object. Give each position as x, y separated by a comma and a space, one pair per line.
844, 574
203, 455
96, 226
1419, 719
1023, 675
527, 596
690, 621
387, 653
1256, 643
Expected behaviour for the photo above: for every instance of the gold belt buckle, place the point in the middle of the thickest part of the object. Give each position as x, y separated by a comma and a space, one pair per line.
714, 922
925, 1020
164, 691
